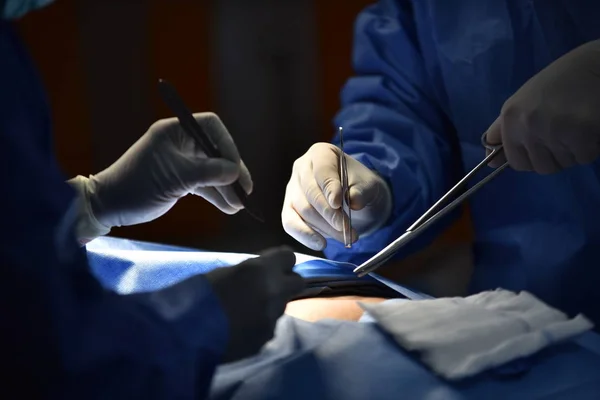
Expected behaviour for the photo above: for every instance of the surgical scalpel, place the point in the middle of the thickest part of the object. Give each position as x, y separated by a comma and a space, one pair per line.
192, 128
347, 222
435, 213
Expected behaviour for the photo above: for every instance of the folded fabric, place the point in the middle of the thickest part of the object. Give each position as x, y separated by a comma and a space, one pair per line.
460, 337
129, 266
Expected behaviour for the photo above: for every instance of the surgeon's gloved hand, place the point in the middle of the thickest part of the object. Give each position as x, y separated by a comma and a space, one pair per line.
312, 207
254, 295
164, 165
553, 121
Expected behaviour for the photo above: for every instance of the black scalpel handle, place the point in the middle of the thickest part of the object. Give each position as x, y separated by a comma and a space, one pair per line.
193, 128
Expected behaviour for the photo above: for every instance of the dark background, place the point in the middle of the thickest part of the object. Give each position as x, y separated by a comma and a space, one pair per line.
271, 69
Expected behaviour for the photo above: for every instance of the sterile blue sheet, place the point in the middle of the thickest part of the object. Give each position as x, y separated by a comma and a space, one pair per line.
128, 266
340, 359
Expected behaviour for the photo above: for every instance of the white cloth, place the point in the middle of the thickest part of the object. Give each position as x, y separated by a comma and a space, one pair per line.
460, 337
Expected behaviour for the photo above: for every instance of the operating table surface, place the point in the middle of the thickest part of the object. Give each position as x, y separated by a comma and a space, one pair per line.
333, 359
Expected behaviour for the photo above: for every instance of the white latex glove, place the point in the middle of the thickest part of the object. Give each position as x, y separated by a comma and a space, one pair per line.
553, 121
313, 198
164, 165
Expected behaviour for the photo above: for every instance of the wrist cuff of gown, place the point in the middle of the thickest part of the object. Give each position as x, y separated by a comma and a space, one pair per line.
88, 227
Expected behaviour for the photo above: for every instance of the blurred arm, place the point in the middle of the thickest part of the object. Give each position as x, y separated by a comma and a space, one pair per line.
67, 334
393, 125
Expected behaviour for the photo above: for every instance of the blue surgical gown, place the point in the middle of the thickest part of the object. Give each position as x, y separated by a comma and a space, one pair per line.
63, 335
431, 76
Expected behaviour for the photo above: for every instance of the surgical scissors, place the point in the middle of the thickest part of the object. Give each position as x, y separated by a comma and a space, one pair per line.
435, 213
346, 222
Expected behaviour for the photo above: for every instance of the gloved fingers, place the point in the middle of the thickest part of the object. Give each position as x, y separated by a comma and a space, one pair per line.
229, 194
542, 160
365, 192
313, 218
498, 160
230, 197
357, 201
280, 259
214, 127
206, 172
245, 178
493, 136
326, 173
280, 262
327, 231
563, 155
281, 283
211, 195
517, 155
295, 226
586, 152
319, 182
315, 200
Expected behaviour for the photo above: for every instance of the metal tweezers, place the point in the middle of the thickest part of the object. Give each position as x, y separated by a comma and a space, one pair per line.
347, 220
436, 211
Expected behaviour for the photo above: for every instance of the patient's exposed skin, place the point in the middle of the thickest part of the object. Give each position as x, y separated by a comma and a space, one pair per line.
442, 269
343, 307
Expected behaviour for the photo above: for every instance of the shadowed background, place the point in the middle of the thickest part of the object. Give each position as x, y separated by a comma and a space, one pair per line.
271, 69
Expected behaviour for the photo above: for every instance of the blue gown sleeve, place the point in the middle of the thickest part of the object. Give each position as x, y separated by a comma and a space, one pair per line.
64, 336
394, 125
81, 340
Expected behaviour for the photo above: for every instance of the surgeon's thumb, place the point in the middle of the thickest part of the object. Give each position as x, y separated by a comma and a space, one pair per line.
493, 136
212, 172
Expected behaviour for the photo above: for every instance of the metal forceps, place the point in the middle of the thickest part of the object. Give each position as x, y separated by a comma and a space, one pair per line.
437, 210
347, 222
